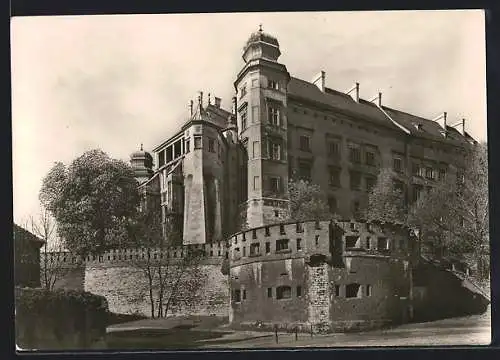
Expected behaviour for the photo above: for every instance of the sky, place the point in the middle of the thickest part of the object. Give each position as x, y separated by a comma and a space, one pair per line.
116, 81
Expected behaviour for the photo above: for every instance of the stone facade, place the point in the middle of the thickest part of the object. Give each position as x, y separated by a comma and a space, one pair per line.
335, 275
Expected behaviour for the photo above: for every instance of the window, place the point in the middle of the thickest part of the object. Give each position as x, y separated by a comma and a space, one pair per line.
382, 243
282, 229
275, 150
354, 153
197, 142
353, 291
368, 243
333, 149
299, 244
274, 115
299, 291
370, 158
356, 208
161, 158
237, 295
442, 174
370, 182
415, 169
244, 251
355, 180
283, 292
429, 173
211, 145
304, 144
305, 170
267, 231
244, 294
243, 91
268, 247
368, 290
255, 82
269, 292
273, 84
334, 176
243, 116
276, 213
337, 290
255, 114
399, 186
299, 228
275, 184
332, 204
281, 244
256, 182
397, 165
417, 192
186, 146
351, 242
256, 149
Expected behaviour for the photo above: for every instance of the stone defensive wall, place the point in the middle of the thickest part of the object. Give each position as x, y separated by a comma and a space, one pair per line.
332, 275
119, 276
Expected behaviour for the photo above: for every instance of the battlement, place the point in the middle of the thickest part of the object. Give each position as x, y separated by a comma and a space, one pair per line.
304, 239
128, 255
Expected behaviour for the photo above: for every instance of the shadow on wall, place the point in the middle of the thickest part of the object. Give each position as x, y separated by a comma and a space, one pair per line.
440, 293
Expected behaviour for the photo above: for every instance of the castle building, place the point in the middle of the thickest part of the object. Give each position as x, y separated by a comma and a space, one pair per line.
227, 170
222, 181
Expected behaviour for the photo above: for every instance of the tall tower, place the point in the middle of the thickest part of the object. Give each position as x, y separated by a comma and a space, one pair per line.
261, 88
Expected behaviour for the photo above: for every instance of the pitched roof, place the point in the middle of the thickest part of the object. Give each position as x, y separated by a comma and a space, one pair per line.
20, 232
428, 129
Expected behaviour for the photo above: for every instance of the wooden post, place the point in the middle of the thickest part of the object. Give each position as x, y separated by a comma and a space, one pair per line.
296, 333
276, 333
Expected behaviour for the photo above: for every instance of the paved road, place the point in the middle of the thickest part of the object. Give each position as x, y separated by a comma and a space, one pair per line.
470, 330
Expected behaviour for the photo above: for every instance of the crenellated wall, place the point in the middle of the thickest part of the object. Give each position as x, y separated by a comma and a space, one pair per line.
337, 275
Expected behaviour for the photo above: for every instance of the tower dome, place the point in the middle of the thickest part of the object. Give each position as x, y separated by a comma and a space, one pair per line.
261, 45
142, 164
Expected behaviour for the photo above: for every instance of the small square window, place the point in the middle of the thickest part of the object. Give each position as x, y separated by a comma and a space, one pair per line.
281, 244
269, 292
276, 213
282, 229
304, 143
237, 296
299, 244
197, 142
268, 247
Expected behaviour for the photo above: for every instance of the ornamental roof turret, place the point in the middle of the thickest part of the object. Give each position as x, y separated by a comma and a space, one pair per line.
261, 45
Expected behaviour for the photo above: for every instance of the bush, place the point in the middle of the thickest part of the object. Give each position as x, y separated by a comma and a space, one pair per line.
59, 319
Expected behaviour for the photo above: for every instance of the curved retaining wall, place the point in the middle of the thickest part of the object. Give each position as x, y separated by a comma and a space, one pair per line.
321, 277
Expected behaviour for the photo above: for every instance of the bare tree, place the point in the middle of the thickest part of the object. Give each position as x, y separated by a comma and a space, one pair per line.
173, 274
52, 264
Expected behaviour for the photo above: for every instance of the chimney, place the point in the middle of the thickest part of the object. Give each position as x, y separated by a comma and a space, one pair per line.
441, 120
234, 105
217, 102
191, 108
319, 80
209, 100
463, 127
378, 98
200, 99
354, 92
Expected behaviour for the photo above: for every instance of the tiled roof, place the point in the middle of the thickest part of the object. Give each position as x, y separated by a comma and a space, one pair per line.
428, 129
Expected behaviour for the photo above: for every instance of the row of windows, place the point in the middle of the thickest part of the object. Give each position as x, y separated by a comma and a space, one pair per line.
271, 84
285, 292
273, 116
425, 171
355, 242
281, 245
281, 293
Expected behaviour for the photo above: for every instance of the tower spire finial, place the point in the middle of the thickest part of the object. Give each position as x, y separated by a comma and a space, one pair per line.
260, 27
141, 147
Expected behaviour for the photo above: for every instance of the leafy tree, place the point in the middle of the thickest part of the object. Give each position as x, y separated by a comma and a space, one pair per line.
93, 200
456, 211
386, 202
170, 279
307, 202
